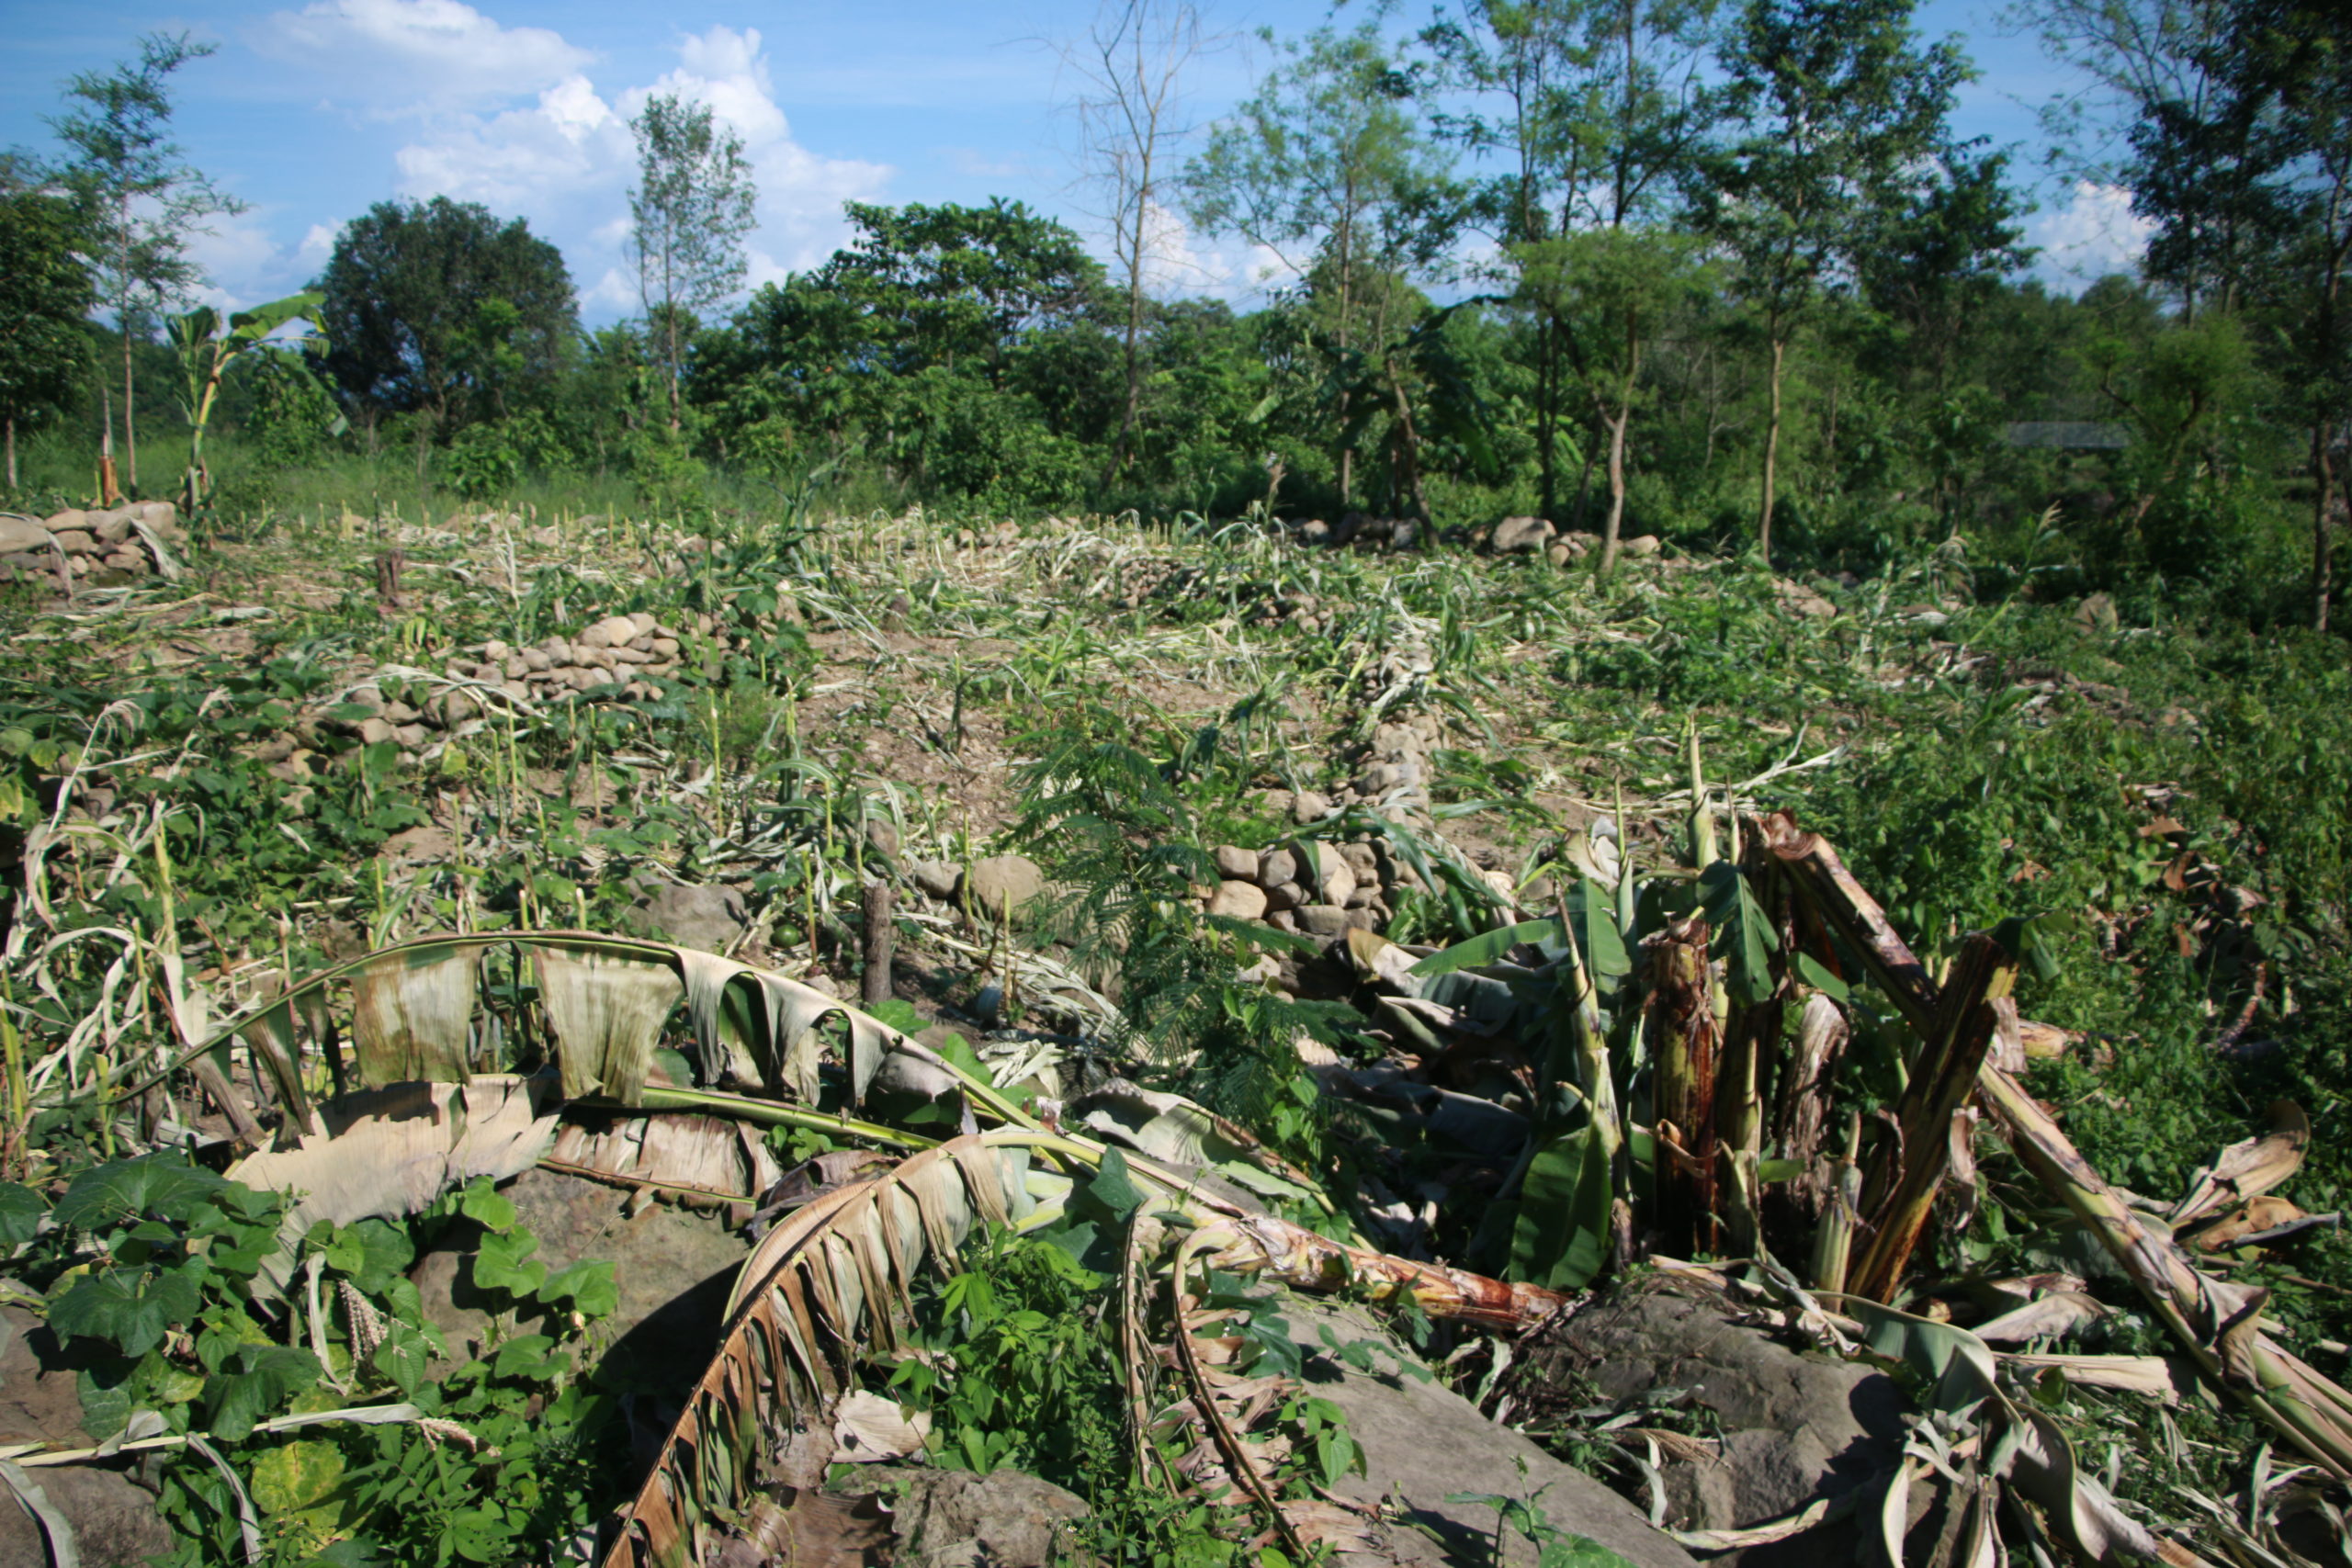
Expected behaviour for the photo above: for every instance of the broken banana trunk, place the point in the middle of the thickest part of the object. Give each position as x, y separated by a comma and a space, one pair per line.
2218, 1323
1685, 1044
1973, 1010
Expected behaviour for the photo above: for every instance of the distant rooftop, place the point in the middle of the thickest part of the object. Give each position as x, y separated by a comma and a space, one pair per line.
2071, 434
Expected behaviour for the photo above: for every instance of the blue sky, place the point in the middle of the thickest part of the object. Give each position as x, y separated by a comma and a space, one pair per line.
313, 110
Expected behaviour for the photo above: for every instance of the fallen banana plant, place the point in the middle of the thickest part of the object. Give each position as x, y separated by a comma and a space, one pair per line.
603, 1003
1975, 1441
2217, 1324
836, 1278
830, 1279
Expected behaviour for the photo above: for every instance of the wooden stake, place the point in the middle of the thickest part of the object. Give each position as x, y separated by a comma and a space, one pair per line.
880, 937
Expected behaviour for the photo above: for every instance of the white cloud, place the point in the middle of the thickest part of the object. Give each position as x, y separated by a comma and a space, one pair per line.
1179, 261
416, 55
566, 163
523, 161
2093, 234
244, 265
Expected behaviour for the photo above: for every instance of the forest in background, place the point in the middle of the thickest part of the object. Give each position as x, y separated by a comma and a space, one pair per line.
1720, 274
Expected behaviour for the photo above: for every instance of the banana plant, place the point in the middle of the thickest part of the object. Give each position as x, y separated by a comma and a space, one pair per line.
207, 346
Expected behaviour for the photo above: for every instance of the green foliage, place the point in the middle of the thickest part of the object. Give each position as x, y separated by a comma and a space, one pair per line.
151, 1278
1555, 1547
482, 463
44, 294
1122, 836
439, 308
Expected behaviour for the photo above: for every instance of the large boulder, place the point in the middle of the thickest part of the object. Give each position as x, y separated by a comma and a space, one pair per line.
1424, 1445
114, 1519
1519, 536
1003, 1519
673, 1267
1795, 1424
1000, 883
708, 918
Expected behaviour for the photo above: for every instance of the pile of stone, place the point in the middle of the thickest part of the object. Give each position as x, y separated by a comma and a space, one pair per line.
613, 658
1536, 536
1317, 889
619, 650
74, 544
1360, 529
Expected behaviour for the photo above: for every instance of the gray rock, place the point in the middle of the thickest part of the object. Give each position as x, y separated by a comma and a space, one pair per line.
1326, 921
882, 837
75, 542
1642, 545
1516, 535
22, 536
708, 918
674, 1267
1424, 1443
1275, 868
1307, 806
1236, 865
2095, 614
115, 1522
936, 877
1003, 1519
1002, 882
613, 631
1333, 879
1237, 900
164, 519
1283, 896
1796, 1425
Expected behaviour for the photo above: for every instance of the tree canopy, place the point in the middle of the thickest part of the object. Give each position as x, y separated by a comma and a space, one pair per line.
440, 309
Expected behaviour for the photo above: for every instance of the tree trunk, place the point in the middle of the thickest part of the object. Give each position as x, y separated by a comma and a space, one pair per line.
11, 451
874, 985
1617, 421
671, 330
130, 431
1616, 523
1347, 447
1547, 416
1408, 447
2322, 529
1771, 454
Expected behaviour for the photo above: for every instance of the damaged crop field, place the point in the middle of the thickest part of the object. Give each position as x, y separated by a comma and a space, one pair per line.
926, 1040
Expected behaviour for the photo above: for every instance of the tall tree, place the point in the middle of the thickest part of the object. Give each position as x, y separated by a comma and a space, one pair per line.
691, 209
1841, 118
437, 308
44, 298
2274, 109
1591, 108
1325, 166
2128, 58
143, 202
1131, 120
